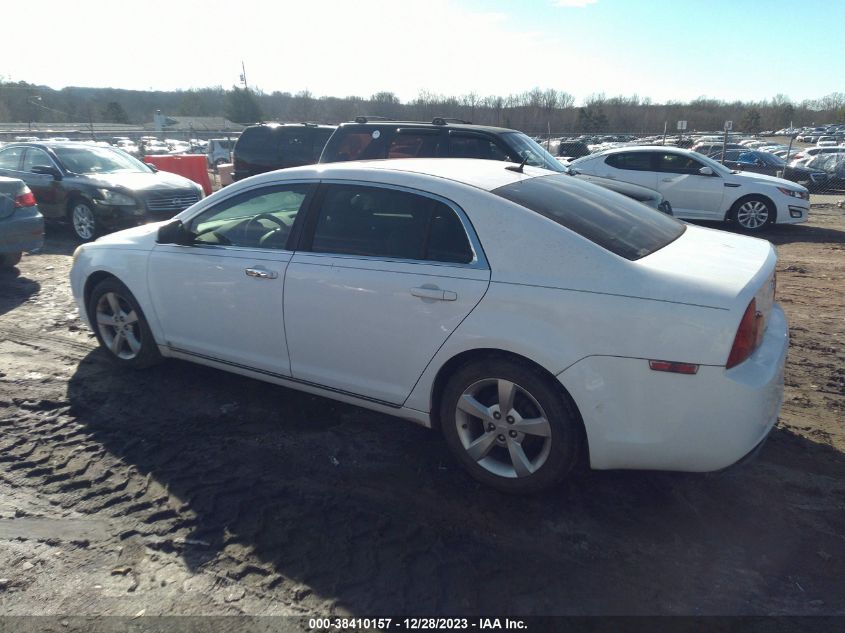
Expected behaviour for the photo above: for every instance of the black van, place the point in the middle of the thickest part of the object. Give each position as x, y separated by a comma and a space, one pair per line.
272, 146
369, 138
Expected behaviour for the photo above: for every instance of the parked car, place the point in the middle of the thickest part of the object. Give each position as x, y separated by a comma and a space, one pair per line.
833, 165
96, 188
366, 139
771, 165
128, 146
605, 331
21, 224
219, 151
699, 188
570, 150
270, 146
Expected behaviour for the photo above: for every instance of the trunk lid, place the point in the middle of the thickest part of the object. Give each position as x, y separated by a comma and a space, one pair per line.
715, 269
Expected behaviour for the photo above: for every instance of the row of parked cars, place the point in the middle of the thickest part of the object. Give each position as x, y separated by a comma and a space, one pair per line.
469, 282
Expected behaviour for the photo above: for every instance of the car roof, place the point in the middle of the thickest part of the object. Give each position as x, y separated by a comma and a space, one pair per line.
426, 124
51, 144
480, 174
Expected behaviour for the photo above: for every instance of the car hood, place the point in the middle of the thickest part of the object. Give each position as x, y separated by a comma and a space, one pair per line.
772, 180
139, 181
139, 237
710, 267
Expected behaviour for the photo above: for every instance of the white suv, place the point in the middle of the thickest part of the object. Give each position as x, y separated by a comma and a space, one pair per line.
699, 188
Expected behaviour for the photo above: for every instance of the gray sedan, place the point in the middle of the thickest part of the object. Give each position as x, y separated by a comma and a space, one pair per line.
21, 224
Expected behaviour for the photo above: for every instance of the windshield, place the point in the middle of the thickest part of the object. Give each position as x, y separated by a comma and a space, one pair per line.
610, 220
535, 153
98, 160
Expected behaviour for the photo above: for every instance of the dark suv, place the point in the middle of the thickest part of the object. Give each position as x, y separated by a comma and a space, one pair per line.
270, 146
372, 138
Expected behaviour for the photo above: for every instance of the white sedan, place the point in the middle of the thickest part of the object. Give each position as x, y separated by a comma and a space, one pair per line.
533, 318
699, 188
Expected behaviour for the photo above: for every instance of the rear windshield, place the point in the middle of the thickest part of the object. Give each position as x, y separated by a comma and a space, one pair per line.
613, 221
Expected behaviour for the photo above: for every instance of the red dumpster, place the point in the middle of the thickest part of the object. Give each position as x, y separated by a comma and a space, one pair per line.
193, 166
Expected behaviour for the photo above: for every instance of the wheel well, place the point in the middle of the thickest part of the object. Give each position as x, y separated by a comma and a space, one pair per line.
480, 355
753, 196
91, 283
73, 199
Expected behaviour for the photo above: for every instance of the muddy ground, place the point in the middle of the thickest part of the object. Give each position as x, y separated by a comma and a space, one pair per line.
186, 490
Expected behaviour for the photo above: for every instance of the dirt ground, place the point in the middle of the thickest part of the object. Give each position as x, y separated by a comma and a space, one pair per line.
186, 490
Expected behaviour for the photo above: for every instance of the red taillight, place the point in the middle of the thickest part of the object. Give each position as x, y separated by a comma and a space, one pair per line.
25, 200
675, 368
746, 338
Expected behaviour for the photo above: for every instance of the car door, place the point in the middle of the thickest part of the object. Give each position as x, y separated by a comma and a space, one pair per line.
222, 296
49, 192
691, 194
383, 277
635, 167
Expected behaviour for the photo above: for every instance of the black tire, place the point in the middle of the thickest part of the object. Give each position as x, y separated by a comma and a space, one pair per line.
561, 447
748, 213
83, 220
127, 353
10, 260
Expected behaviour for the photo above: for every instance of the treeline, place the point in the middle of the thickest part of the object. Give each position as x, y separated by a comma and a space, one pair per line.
536, 111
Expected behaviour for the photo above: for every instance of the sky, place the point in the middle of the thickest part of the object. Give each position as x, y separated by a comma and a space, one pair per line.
663, 49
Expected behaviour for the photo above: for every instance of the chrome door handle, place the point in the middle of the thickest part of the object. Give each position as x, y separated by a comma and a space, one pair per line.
261, 273
428, 292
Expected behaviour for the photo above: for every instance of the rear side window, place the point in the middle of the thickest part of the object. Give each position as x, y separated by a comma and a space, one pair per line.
11, 158
635, 161
413, 144
614, 222
678, 164
378, 222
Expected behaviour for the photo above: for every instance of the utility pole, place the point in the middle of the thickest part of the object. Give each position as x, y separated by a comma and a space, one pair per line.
243, 76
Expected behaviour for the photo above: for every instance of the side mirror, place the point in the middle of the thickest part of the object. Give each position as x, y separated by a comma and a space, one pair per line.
46, 170
174, 233
706, 171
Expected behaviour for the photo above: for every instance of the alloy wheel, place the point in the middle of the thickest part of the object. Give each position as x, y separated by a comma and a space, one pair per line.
83, 220
752, 214
118, 325
503, 428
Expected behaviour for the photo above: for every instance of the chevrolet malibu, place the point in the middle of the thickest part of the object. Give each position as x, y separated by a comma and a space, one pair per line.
534, 319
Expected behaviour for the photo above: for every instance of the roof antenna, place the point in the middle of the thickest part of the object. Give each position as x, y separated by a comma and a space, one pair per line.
520, 168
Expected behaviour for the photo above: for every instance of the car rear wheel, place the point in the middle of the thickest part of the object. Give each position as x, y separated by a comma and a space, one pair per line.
8, 260
120, 325
510, 426
754, 213
82, 220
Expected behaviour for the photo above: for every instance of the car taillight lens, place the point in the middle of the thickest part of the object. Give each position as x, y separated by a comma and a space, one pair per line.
26, 199
746, 338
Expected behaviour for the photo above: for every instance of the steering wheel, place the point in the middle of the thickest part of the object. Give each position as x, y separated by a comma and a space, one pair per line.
262, 216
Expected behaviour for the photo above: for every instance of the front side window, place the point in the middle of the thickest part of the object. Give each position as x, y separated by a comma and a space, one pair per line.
678, 164
379, 222
634, 161
11, 158
35, 157
256, 219
474, 146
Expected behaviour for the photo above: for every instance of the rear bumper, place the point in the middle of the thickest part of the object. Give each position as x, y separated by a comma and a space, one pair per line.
23, 231
642, 419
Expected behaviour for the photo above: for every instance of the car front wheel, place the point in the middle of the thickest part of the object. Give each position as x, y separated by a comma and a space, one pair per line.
752, 214
82, 220
120, 325
509, 426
